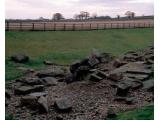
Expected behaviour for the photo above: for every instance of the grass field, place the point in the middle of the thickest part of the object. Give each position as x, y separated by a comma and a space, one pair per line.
64, 47
146, 113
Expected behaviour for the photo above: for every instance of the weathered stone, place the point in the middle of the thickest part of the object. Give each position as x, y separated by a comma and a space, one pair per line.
117, 63
135, 84
115, 76
28, 89
139, 71
55, 72
123, 89
30, 80
63, 105
30, 101
43, 104
95, 78
148, 85
136, 76
38, 94
20, 58
93, 61
49, 81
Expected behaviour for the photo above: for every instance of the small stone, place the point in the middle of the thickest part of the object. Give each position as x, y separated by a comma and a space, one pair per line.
43, 104
63, 105
20, 58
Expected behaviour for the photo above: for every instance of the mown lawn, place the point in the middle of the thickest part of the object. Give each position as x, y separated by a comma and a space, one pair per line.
146, 113
64, 47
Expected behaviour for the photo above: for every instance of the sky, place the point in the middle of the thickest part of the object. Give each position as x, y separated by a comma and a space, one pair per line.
33, 9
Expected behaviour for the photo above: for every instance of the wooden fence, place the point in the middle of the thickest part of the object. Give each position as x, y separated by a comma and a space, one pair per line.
46, 26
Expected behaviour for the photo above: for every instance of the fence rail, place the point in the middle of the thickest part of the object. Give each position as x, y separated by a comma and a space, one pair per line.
38, 26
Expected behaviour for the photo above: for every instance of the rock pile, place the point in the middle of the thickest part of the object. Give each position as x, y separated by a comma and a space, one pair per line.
59, 90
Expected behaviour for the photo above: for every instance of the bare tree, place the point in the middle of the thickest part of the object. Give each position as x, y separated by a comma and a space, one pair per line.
130, 14
57, 16
84, 15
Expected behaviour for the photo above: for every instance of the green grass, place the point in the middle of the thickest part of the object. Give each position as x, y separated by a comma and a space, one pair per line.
146, 113
64, 47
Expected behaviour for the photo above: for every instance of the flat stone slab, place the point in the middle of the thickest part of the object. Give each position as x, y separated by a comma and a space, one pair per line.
49, 81
28, 89
51, 72
38, 94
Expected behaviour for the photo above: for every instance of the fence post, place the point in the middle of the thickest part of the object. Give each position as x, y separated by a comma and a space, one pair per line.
7, 29
20, 26
104, 26
129, 25
111, 25
90, 27
32, 26
44, 26
82, 26
117, 25
73, 27
54, 26
97, 26
64, 26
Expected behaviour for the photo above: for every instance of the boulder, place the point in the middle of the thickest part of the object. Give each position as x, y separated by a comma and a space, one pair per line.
29, 101
43, 104
20, 58
63, 105
93, 61
148, 85
49, 81
123, 89
51, 72
28, 89
115, 76
118, 63
30, 80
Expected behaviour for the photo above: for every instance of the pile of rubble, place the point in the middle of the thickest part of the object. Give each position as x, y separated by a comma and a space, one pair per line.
127, 77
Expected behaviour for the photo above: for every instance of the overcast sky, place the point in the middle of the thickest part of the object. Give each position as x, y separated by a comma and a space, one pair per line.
22, 9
